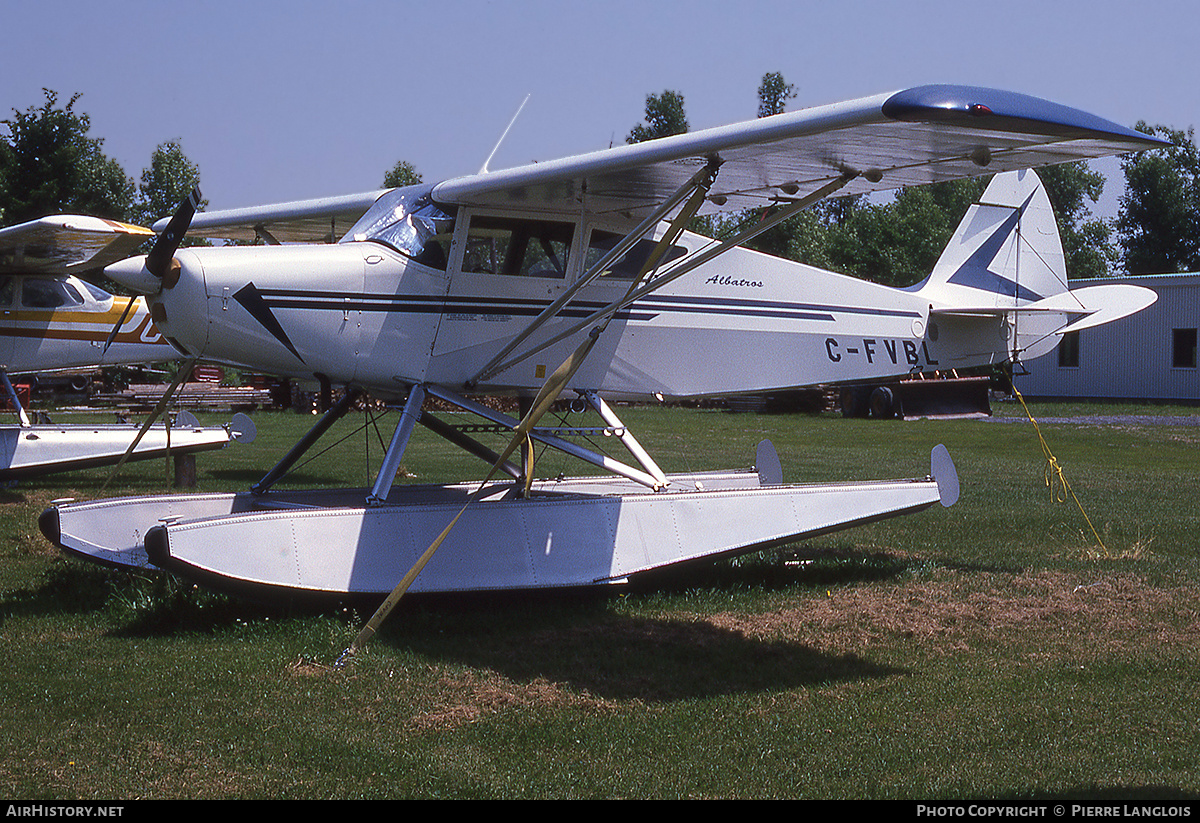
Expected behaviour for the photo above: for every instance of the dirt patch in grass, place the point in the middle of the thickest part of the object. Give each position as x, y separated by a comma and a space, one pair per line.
1050, 612
465, 697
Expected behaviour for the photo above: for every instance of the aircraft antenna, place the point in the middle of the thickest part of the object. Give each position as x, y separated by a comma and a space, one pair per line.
484, 169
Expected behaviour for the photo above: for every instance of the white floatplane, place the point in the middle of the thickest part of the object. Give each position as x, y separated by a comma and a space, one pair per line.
53, 320
576, 278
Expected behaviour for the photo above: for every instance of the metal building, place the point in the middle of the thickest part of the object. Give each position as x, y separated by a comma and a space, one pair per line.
1150, 355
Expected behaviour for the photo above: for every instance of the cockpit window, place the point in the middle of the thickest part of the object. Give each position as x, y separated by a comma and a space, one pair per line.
98, 294
8, 290
526, 248
410, 222
632, 262
49, 294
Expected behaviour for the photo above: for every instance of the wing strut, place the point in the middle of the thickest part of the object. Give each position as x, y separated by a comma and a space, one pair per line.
627, 438
12, 398
678, 270
650, 475
558, 381
700, 181
523, 432
541, 404
112, 335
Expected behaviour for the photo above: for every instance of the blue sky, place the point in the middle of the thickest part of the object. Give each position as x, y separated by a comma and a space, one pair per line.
278, 101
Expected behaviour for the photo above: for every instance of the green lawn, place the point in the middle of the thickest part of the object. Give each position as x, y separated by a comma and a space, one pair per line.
996, 649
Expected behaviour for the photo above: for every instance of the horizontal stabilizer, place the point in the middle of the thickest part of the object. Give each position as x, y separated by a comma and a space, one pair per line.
1098, 305
1104, 304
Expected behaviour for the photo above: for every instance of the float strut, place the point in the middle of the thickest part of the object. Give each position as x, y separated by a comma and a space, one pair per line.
395, 451
336, 413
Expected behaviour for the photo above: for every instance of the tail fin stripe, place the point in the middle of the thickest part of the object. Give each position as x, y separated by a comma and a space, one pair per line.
974, 272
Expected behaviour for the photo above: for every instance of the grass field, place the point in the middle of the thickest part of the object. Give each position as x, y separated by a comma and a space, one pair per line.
995, 650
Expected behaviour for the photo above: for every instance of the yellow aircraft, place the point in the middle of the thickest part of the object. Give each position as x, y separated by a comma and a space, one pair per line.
51, 319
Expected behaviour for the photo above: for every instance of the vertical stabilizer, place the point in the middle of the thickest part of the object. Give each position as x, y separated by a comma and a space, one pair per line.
1006, 261
1005, 253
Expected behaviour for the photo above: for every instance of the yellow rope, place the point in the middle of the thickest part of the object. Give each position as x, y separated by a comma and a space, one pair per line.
1054, 470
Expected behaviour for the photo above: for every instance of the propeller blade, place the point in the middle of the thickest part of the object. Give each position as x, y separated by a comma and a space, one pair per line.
158, 261
112, 335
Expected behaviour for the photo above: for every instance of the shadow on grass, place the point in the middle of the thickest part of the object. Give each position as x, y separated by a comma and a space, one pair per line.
629, 657
73, 586
65, 588
147, 604
574, 638
802, 566
571, 637
806, 567
11, 494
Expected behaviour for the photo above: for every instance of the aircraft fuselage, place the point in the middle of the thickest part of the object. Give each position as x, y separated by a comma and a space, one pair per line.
54, 322
362, 313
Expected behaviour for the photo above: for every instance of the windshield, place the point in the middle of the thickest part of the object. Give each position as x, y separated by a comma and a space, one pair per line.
408, 221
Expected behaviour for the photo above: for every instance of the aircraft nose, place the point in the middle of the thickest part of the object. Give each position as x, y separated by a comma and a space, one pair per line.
150, 273
179, 307
133, 274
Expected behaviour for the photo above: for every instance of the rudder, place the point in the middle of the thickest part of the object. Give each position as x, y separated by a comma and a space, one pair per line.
1006, 252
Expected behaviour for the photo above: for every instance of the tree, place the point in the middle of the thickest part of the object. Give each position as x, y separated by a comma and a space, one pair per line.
773, 94
664, 117
166, 183
49, 165
897, 242
1158, 223
402, 174
1086, 242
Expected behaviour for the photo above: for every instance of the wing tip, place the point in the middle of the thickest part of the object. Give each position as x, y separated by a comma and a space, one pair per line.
1008, 111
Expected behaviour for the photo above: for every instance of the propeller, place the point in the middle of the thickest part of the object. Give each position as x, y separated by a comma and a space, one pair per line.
148, 275
157, 264
158, 261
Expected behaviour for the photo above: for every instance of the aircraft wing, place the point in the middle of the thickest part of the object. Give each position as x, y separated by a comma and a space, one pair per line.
66, 244
321, 220
913, 137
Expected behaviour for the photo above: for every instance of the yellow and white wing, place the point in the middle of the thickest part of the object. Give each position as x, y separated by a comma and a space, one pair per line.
67, 244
